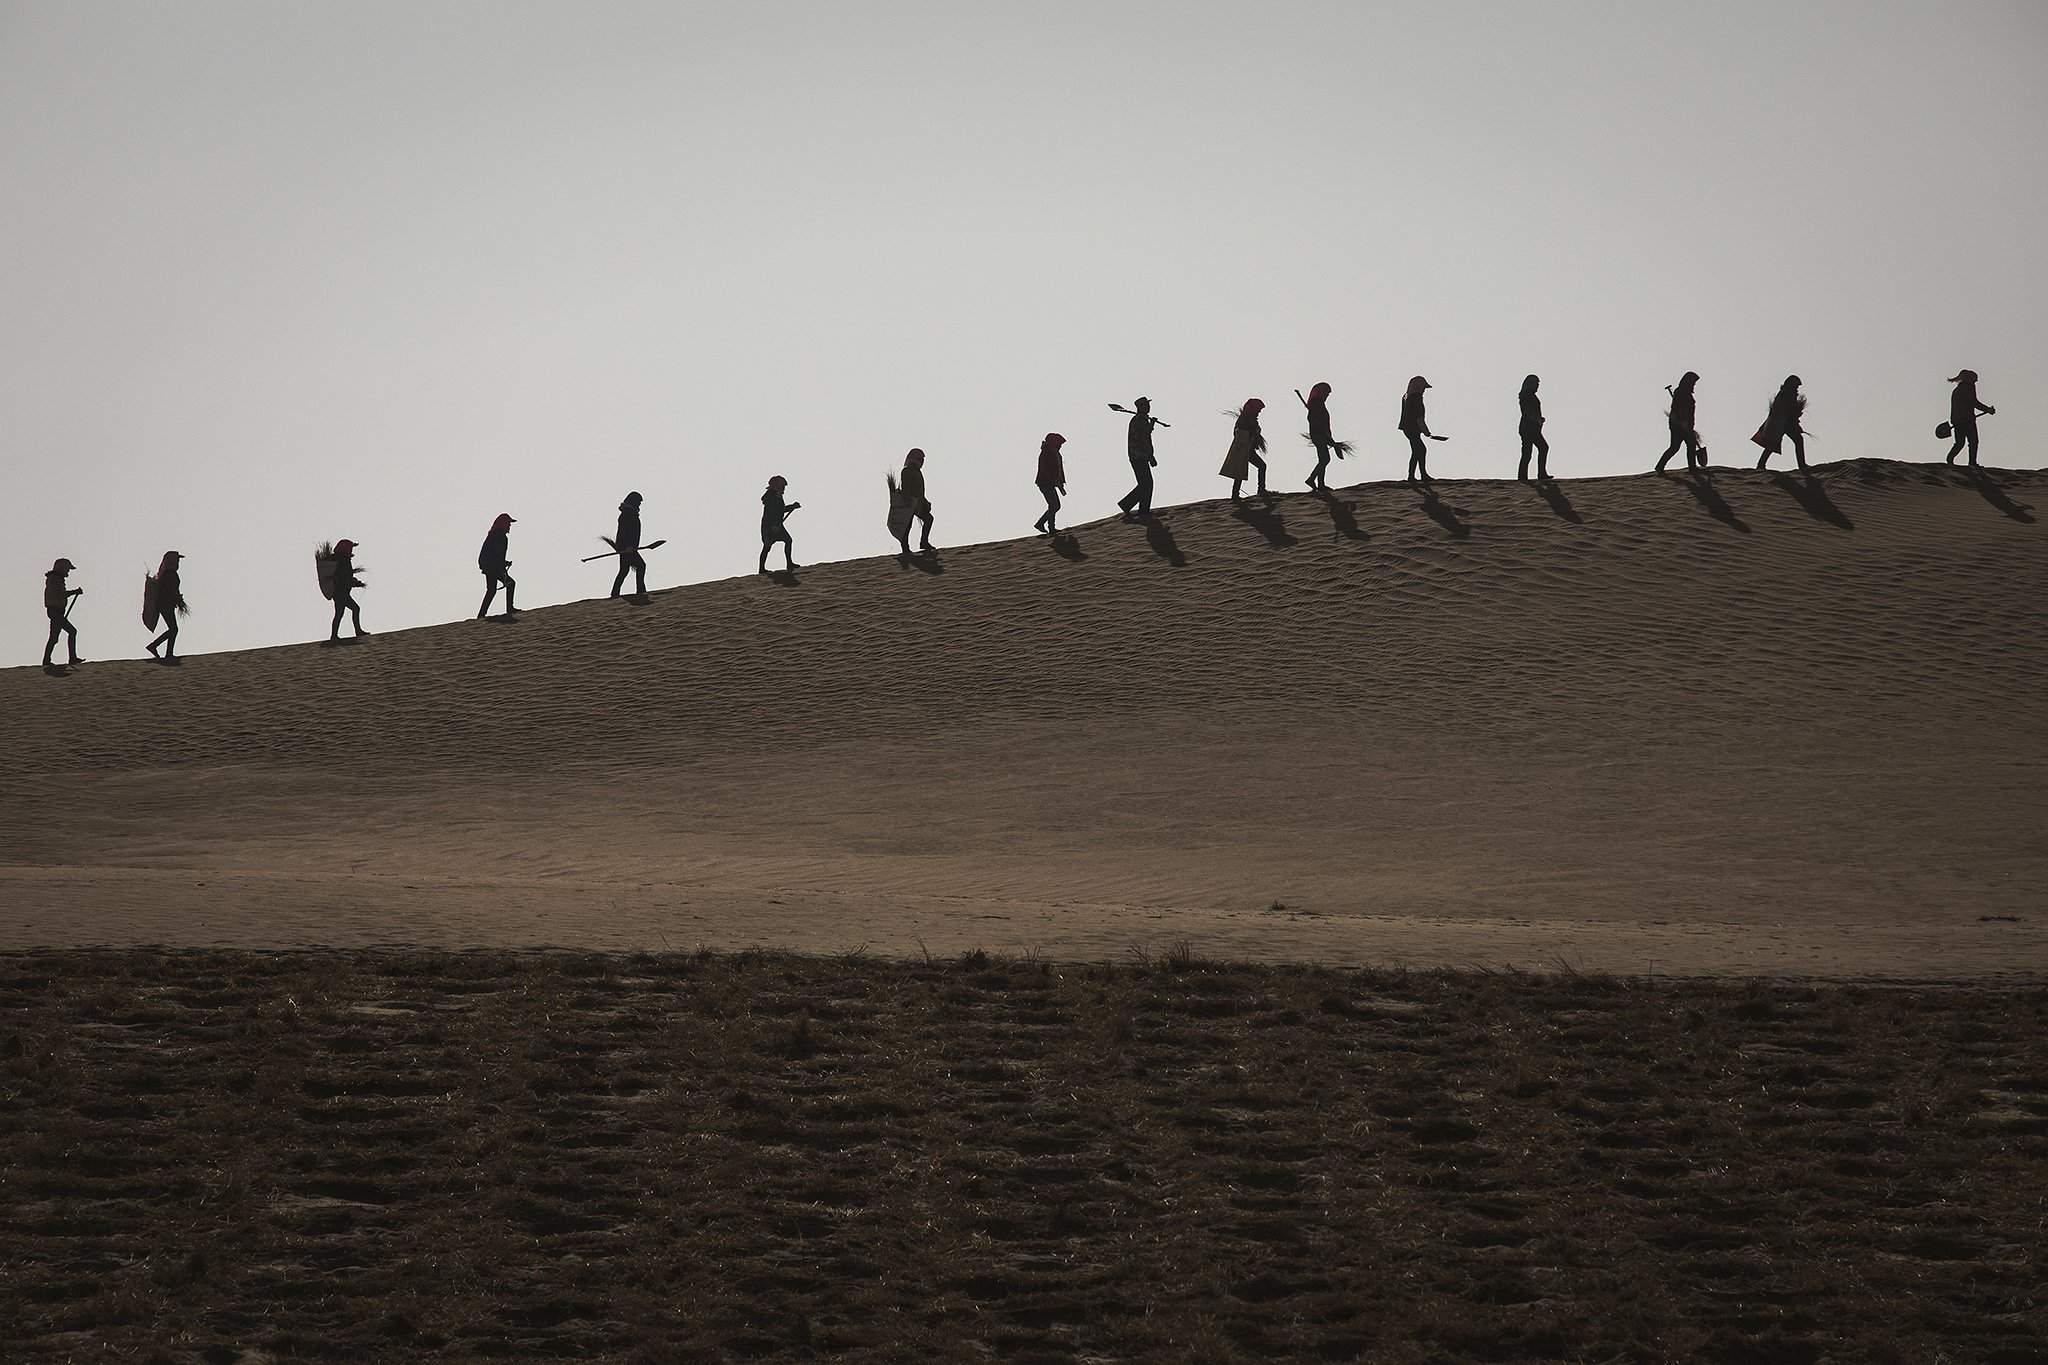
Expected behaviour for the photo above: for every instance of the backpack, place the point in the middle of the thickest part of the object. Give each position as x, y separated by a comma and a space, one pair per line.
323, 565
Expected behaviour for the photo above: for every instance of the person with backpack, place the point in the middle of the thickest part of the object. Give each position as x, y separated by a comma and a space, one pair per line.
1246, 443
773, 513
1788, 407
1137, 503
1415, 426
495, 566
1963, 408
163, 599
1318, 404
1052, 481
1532, 433
345, 585
57, 599
908, 503
1684, 425
627, 544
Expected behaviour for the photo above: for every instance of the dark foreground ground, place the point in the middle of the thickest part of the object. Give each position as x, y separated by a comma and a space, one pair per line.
222, 1157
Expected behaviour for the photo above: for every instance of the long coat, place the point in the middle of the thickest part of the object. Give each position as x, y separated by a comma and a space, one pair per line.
1782, 420
1245, 442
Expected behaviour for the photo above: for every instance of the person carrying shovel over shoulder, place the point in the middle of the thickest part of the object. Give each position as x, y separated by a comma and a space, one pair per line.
773, 512
57, 599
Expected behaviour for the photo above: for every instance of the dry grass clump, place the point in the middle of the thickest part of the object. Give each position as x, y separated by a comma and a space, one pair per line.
659, 1158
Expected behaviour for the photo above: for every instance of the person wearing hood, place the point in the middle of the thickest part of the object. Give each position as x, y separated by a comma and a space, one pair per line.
1963, 408
495, 566
1138, 444
1415, 426
1052, 481
1684, 423
1532, 433
916, 506
1246, 443
773, 512
627, 543
1788, 407
345, 585
1319, 436
57, 599
169, 604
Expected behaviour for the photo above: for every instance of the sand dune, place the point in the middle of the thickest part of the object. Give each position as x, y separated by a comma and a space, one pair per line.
1760, 725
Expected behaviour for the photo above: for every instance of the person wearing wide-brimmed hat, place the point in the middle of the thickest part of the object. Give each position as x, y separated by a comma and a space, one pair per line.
773, 532
1052, 481
1246, 441
1415, 426
1138, 445
493, 560
345, 585
1963, 408
57, 596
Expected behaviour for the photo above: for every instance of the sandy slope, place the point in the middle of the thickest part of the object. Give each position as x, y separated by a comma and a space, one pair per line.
1638, 724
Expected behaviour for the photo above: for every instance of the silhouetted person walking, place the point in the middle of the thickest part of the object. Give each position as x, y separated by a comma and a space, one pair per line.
773, 532
1684, 421
1138, 444
908, 503
1963, 408
1415, 426
163, 599
627, 543
1788, 406
345, 585
1532, 432
1318, 405
1246, 442
496, 567
57, 598
1052, 481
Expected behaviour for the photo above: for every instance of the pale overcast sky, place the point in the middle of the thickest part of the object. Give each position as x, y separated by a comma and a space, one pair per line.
280, 273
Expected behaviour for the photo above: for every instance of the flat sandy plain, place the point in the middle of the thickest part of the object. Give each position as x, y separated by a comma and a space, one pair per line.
1752, 725
1598, 923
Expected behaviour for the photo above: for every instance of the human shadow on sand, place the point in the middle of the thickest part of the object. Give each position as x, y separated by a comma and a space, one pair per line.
1812, 496
1559, 503
926, 561
1068, 547
1452, 519
1343, 515
786, 577
1162, 542
1992, 492
1266, 522
1701, 486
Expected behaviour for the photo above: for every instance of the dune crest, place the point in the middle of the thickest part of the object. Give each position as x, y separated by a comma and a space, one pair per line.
1754, 725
